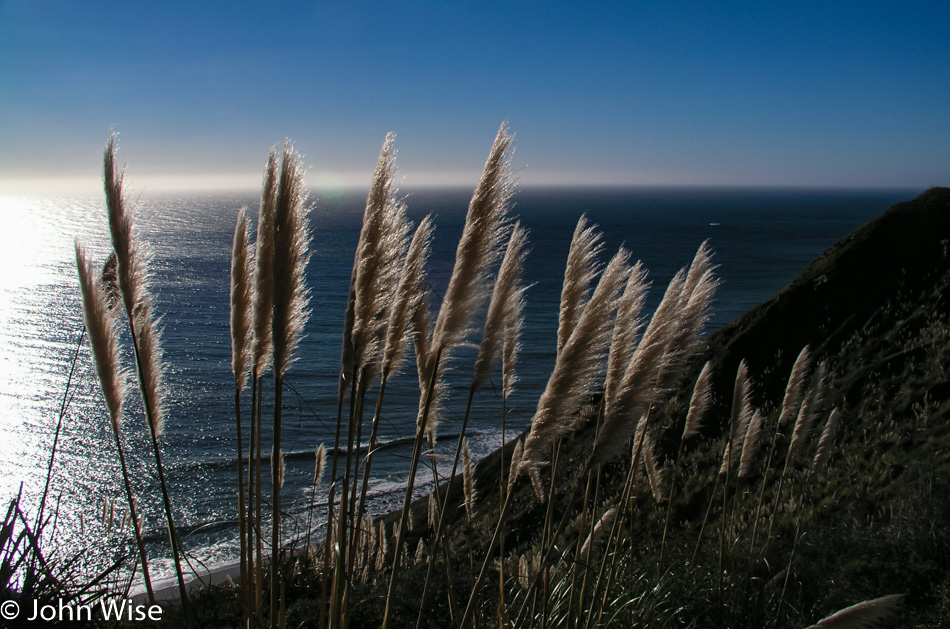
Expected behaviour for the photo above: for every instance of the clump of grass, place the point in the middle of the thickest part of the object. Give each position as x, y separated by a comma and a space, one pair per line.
604, 548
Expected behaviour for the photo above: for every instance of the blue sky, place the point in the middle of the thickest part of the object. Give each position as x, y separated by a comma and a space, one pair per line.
813, 94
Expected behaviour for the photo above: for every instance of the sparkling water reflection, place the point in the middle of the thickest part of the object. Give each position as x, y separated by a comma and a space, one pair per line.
762, 240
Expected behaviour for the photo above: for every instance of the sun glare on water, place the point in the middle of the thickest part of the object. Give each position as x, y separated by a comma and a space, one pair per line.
39, 322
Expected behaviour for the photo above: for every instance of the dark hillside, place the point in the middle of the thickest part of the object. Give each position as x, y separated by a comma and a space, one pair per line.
875, 309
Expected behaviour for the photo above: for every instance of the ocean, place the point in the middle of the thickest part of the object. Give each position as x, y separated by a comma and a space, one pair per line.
762, 238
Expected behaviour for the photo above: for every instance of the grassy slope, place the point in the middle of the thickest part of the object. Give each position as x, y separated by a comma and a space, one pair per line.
875, 307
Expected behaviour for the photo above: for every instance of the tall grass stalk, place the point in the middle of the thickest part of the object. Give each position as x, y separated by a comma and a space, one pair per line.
241, 275
810, 406
260, 358
103, 339
290, 314
505, 292
791, 398
478, 248
132, 273
699, 402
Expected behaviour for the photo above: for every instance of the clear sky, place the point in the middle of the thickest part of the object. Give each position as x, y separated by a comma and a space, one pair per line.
666, 92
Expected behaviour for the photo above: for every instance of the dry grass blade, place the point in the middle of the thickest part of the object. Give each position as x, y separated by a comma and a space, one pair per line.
864, 615
242, 270
291, 254
579, 274
578, 367
503, 293
101, 328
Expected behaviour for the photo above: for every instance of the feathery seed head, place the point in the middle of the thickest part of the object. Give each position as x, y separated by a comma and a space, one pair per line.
579, 273
592, 544
578, 366
753, 435
377, 264
291, 254
811, 407
320, 458
101, 328
626, 328
515, 465
825, 443
741, 408
479, 245
872, 613
647, 375
503, 294
511, 344
698, 403
241, 275
408, 298
652, 467
794, 387
262, 350
151, 369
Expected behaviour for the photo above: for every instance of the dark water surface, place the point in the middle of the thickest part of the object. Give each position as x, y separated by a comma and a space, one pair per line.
762, 239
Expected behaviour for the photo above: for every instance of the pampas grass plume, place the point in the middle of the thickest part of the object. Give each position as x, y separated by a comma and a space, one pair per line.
376, 268
408, 300
503, 293
578, 366
592, 543
750, 443
698, 403
866, 614
626, 328
241, 275
515, 465
262, 349
468, 479
291, 254
320, 458
478, 247
810, 409
101, 328
825, 443
579, 273
795, 381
